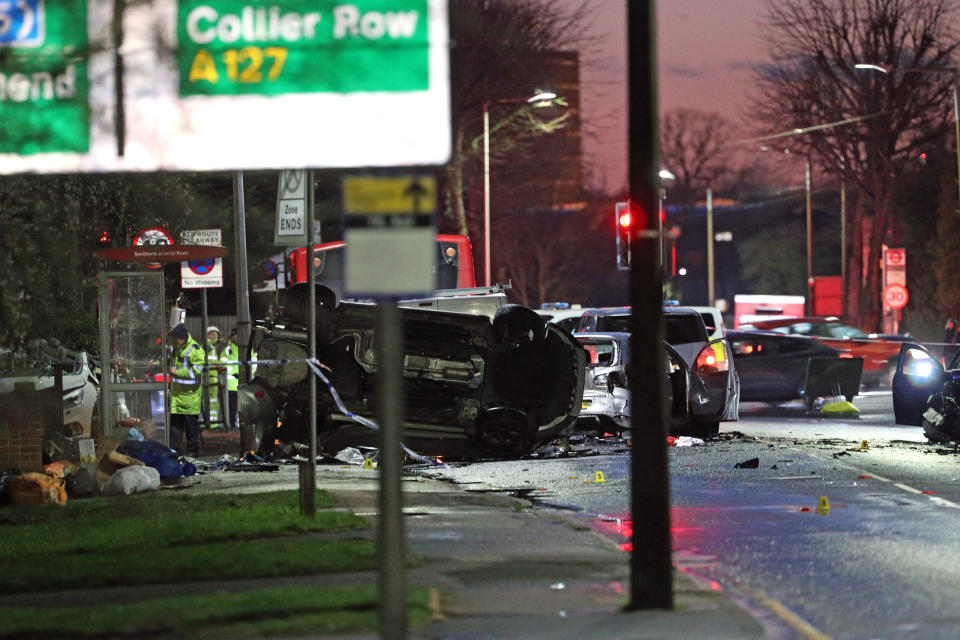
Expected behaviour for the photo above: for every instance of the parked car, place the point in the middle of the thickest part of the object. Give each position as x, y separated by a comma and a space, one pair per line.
712, 386
774, 367
879, 354
926, 393
477, 384
81, 386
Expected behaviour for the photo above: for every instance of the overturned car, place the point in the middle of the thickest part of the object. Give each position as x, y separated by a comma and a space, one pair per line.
488, 380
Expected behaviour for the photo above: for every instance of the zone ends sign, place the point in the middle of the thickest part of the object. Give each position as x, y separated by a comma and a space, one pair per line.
214, 85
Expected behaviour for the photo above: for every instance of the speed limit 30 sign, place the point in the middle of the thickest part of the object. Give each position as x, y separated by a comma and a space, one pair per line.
895, 296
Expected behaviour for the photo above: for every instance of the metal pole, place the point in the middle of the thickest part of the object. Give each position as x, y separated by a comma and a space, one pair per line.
308, 469
810, 302
843, 247
242, 284
390, 403
651, 573
205, 378
486, 194
711, 294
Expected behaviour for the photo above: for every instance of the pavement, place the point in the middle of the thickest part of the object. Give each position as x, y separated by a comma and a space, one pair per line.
503, 569
496, 567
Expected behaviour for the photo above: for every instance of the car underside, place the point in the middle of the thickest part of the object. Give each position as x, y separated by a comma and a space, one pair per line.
474, 386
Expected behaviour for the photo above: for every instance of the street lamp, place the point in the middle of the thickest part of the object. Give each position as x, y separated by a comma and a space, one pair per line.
540, 97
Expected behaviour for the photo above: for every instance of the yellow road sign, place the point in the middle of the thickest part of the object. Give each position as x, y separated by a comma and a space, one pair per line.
389, 195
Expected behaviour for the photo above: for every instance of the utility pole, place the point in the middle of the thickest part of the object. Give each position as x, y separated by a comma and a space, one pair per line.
651, 572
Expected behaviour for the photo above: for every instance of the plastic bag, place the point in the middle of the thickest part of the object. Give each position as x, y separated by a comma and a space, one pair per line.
350, 455
155, 455
35, 489
131, 480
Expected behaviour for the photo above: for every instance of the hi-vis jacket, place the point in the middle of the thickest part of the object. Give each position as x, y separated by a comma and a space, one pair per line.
185, 382
231, 354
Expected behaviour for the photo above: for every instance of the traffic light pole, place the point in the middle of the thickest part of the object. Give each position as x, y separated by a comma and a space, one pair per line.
651, 578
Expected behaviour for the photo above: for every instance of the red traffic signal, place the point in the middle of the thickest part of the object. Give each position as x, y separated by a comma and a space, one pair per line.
623, 221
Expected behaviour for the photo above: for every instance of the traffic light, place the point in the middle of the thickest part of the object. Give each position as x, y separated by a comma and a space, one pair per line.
623, 222
104, 241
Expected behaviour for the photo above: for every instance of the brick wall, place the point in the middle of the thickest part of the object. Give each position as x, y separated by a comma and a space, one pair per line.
25, 415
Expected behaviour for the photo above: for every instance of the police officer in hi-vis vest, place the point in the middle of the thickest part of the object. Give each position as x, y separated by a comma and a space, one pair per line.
213, 374
186, 377
229, 358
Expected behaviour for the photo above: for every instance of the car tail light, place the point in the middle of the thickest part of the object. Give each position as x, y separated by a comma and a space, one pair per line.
712, 359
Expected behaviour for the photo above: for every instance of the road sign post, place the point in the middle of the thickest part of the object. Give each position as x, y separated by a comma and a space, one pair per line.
307, 83
895, 296
390, 234
201, 273
291, 227
44, 79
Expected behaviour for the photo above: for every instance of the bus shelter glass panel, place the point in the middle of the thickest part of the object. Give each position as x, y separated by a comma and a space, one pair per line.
133, 341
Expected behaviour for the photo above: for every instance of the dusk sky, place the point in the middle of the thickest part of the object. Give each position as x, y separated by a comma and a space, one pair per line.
705, 48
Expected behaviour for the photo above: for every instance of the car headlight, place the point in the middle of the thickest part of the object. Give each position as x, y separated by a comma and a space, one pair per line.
73, 398
600, 380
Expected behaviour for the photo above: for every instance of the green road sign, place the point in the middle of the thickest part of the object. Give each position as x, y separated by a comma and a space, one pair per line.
276, 47
43, 77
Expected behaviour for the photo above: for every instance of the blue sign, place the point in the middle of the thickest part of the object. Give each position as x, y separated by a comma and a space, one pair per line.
21, 23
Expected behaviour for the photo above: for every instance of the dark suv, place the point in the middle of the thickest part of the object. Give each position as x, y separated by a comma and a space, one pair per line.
496, 383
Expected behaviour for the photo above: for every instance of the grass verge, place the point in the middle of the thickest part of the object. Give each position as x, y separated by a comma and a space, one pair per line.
288, 611
143, 540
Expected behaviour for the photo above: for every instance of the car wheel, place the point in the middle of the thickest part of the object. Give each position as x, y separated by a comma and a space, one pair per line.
502, 433
514, 323
253, 436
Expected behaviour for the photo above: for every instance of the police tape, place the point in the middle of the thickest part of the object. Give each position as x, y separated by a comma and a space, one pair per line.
315, 366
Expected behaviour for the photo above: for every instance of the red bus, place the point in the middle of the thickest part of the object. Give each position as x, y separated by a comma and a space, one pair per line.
453, 265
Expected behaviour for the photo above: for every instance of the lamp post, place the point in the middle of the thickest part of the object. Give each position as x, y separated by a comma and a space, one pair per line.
809, 212
540, 97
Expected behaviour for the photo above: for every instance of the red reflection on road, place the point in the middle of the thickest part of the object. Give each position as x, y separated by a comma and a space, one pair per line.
619, 526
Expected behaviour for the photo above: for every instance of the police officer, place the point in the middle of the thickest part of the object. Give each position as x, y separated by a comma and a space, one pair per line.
186, 375
231, 354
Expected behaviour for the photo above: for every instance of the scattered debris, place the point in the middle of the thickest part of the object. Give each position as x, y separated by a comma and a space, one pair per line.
752, 463
36, 489
840, 453
688, 441
132, 479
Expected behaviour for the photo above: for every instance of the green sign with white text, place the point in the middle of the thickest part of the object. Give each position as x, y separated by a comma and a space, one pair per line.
43, 77
277, 47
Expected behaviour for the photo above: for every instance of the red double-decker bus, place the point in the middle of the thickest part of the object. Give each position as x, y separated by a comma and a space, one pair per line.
453, 263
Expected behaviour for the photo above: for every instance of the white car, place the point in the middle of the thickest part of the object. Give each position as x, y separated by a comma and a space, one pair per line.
80, 389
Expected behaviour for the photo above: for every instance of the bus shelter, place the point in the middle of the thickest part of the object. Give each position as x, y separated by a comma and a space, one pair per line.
133, 348
133, 340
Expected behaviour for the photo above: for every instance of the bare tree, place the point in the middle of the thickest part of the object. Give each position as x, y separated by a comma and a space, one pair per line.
694, 148
813, 79
500, 48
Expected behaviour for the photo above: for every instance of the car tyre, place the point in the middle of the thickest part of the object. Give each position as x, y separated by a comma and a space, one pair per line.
703, 430
253, 436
